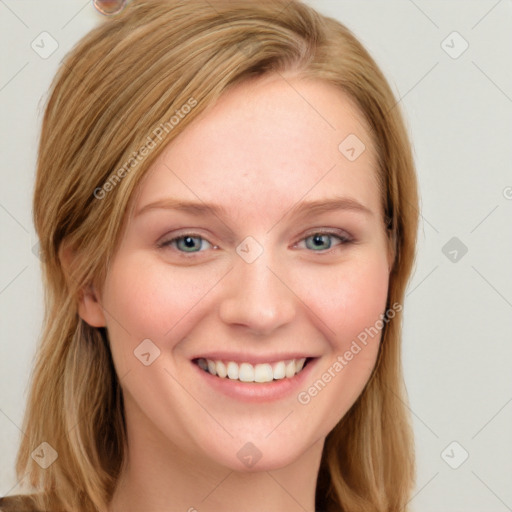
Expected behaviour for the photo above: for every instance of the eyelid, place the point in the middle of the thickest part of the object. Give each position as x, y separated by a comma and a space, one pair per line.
344, 237
166, 242
341, 233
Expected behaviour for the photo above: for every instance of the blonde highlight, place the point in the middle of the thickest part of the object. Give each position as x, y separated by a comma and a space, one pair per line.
99, 114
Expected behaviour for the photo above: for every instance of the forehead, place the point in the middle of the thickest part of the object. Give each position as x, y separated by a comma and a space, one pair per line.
267, 143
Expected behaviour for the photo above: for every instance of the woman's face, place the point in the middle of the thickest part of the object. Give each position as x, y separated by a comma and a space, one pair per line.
224, 259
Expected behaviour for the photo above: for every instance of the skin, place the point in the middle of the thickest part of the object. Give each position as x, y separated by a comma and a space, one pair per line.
265, 146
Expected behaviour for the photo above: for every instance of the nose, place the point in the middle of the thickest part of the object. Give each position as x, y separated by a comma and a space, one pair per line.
258, 297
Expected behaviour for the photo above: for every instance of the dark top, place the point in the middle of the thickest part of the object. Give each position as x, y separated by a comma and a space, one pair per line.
24, 503
19, 503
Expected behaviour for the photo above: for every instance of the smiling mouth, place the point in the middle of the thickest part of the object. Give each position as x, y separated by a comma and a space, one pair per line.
247, 372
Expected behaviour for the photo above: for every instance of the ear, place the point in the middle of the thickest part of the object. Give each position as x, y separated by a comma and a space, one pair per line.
89, 306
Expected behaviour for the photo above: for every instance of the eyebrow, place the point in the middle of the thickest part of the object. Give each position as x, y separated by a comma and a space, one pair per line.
301, 209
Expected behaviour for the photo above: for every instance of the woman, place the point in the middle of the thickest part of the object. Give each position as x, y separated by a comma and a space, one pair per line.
227, 209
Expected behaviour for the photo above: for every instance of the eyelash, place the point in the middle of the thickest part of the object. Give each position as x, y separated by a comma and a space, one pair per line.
345, 239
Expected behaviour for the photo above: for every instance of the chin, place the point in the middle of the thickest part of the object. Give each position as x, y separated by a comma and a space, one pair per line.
262, 453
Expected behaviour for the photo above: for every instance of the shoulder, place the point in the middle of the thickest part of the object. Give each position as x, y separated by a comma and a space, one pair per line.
19, 503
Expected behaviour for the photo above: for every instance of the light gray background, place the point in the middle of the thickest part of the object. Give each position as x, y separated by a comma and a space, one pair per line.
458, 314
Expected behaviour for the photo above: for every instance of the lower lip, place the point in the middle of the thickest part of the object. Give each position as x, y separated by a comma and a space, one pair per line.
258, 391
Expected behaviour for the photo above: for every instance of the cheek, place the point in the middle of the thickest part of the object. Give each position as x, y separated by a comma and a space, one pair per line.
348, 298
352, 306
147, 301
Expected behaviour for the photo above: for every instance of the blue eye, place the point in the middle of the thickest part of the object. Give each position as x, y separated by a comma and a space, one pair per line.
191, 243
321, 241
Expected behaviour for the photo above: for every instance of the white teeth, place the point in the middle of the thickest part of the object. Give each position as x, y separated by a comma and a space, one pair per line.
263, 373
290, 369
279, 370
221, 369
247, 372
211, 367
232, 370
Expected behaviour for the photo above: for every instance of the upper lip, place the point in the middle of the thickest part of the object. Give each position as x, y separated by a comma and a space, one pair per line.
252, 358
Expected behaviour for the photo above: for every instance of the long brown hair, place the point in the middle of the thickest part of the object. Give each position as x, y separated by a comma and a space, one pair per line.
114, 92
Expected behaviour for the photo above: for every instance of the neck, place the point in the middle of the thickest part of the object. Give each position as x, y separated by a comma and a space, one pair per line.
160, 476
